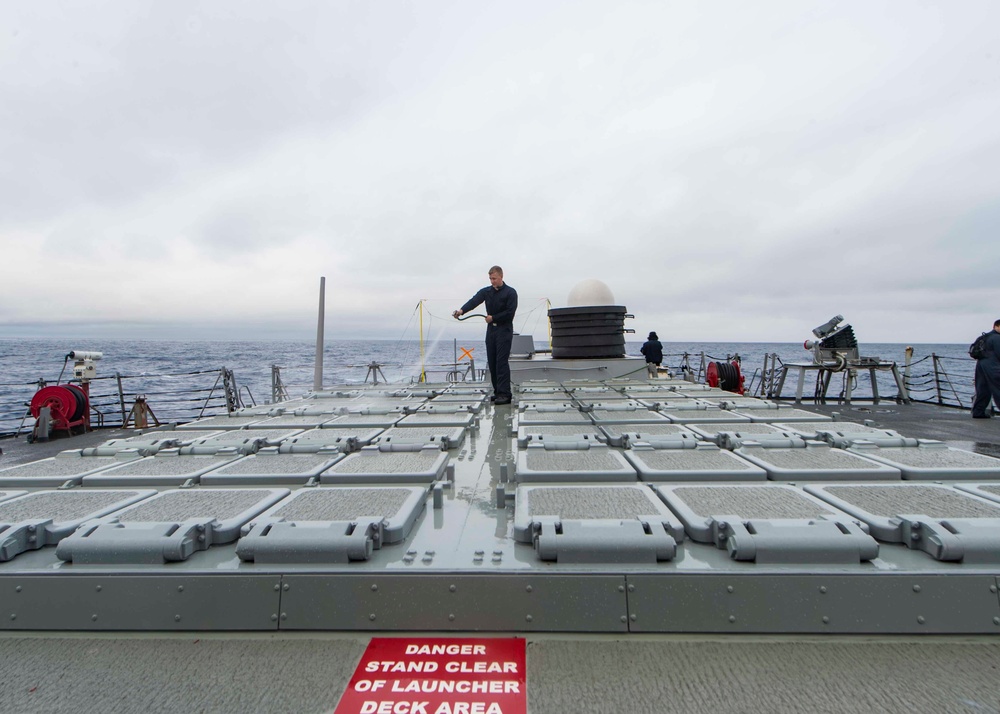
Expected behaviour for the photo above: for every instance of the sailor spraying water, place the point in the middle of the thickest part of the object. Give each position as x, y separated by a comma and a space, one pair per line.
501, 304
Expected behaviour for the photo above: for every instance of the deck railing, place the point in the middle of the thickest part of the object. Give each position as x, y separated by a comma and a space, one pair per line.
932, 379
118, 399
124, 399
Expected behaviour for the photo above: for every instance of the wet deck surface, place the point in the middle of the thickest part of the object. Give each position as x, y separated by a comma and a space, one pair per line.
20, 451
920, 421
924, 421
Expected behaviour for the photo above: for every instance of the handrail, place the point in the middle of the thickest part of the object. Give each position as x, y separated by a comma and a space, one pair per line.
946, 381
111, 395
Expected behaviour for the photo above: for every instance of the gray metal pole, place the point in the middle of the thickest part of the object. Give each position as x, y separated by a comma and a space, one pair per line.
318, 373
937, 378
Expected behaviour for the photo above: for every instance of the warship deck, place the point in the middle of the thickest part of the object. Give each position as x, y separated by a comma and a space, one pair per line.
657, 547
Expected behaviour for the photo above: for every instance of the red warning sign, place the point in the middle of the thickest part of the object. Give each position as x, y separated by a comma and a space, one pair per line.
438, 675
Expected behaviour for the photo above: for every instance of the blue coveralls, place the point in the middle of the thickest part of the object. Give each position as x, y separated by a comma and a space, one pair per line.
988, 376
501, 303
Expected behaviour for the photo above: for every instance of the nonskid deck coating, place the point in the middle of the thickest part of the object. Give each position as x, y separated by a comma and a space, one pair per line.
220, 674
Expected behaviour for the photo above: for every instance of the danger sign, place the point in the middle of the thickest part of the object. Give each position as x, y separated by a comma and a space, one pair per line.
438, 676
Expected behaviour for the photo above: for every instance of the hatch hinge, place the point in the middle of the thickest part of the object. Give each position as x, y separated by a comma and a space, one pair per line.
818, 540
602, 541
405, 446
136, 543
969, 540
16, 538
275, 541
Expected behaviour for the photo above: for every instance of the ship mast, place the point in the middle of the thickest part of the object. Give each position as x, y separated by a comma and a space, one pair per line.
318, 373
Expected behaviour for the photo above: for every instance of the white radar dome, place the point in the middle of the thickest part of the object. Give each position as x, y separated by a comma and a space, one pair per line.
590, 292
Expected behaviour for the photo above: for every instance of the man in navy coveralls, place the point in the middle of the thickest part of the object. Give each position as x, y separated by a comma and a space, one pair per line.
501, 304
988, 375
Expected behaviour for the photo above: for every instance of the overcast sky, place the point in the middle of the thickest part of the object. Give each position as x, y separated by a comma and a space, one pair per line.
733, 171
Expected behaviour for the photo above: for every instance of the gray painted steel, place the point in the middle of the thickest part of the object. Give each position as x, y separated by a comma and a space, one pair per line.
235, 421
625, 434
167, 468
68, 467
402, 463
150, 443
447, 437
554, 433
813, 461
675, 460
783, 415
342, 439
931, 461
470, 555
769, 524
562, 462
270, 468
167, 527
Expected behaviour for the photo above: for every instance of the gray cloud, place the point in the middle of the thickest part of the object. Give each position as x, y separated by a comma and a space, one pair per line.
739, 171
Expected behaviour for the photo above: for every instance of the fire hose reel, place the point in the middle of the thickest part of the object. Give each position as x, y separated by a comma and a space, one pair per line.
725, 375
66, 402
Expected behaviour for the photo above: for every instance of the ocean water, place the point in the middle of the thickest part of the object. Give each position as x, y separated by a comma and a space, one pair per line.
181, 379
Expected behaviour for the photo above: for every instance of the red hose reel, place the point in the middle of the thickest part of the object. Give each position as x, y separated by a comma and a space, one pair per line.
725, 375
69, 405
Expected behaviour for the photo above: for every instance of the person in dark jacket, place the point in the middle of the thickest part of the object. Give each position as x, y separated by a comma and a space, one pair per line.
653, 351
501, 304
988, 375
